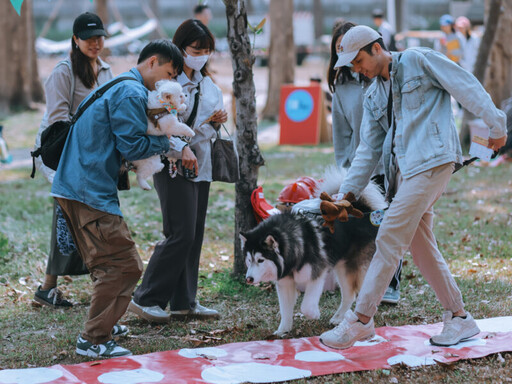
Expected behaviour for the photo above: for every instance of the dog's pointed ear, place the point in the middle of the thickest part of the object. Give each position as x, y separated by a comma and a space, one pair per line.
272, 243
243, 239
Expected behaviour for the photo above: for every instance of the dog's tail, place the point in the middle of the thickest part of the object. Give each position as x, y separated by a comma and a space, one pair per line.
331, 180
372, 195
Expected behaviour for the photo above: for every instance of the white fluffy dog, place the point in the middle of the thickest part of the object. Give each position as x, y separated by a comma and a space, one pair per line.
164, 104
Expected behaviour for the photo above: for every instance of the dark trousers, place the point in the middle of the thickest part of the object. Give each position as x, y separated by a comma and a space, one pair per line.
108, 251
172, 272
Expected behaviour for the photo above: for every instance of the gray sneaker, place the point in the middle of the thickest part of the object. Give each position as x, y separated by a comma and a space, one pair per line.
348, 332
154, 313
108, 349
455, 330
198, 312
391, 296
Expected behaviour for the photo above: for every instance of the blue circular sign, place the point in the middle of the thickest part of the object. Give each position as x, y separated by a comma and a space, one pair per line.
299, 105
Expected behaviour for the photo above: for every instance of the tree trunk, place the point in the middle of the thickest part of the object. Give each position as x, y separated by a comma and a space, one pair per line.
318, 16
498, 79
481, 63
102, 12
246, 122
281, 66
19, 79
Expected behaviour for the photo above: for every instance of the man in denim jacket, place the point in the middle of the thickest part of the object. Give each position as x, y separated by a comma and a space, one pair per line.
416, 135
85, 186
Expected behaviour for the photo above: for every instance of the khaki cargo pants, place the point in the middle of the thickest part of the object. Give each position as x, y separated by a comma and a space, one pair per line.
108, 251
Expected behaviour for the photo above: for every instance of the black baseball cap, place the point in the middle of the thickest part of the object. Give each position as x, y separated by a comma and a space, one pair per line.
88, 25
378, 13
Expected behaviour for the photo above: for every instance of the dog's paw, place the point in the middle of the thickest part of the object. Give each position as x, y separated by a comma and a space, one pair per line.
282, 333
144, 185
311, 313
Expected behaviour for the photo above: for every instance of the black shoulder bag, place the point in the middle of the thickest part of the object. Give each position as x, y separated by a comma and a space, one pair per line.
54, 137
225, 162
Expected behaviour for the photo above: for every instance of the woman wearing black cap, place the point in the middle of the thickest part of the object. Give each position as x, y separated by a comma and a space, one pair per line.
70, 82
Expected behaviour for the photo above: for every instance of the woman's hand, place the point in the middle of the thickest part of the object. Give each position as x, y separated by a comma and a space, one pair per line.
220, 116
189, 160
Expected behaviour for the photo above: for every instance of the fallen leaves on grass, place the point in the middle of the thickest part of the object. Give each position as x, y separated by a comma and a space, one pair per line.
451, 365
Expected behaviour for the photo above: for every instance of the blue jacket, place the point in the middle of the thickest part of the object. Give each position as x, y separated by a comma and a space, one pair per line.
112, 128
426, 137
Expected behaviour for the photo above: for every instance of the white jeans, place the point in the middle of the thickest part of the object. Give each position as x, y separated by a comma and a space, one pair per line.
408, 224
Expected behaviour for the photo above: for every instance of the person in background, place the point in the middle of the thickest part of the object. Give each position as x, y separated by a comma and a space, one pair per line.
471, 43
452, 43
348, 89
203, 13
171, 276
111, 129
408, 121
385, 29
70, 82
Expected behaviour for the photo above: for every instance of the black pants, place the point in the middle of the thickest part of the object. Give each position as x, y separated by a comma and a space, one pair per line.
172, 273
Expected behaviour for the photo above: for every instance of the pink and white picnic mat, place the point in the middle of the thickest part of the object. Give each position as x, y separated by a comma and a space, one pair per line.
276, 360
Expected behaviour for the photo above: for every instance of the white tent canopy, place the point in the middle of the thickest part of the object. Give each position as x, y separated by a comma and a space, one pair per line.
126, 36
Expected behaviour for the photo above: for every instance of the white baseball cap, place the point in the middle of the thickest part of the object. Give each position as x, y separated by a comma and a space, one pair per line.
356, 38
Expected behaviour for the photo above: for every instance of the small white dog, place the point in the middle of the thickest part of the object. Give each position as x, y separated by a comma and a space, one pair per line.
164, 104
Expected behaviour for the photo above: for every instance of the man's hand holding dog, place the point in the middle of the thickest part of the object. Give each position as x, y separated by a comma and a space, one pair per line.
189, 160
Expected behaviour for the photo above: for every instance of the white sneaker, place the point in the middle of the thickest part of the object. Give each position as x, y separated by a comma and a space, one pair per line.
198, 312
154, 314
455, 330
348, 332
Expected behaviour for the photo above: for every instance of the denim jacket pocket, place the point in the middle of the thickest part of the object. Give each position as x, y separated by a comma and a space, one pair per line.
412, 96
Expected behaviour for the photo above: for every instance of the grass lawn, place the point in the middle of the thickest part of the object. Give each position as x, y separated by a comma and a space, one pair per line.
472, 228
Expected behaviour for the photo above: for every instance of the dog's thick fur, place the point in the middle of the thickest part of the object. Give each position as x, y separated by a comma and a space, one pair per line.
292, 249
169, 125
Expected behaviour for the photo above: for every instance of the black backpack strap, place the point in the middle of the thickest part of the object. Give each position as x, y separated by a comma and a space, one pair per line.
193, 114
99, 93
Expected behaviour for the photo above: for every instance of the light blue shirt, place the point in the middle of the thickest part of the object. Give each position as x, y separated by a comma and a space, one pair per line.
426, 137
112, 128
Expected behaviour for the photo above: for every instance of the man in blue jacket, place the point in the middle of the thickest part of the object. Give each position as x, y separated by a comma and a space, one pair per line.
85, 186
408, 121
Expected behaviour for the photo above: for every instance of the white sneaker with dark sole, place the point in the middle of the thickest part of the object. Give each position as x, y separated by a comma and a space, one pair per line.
348, 332
455, 330
119, 330
108, 349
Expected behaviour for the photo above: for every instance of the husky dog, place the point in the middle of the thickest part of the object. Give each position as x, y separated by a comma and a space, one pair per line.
292, 249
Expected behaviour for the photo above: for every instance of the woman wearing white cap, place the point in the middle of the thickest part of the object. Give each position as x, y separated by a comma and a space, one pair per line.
70, 82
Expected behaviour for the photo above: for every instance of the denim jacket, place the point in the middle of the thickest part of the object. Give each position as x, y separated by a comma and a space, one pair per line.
426, 137
113, 127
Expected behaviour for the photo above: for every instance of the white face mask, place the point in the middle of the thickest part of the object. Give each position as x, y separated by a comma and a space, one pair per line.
196, 62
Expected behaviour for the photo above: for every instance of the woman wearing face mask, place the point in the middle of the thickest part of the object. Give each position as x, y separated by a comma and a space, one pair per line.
70, 82
171, 275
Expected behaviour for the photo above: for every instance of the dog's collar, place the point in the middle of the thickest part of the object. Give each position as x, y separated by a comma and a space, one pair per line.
169, 107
